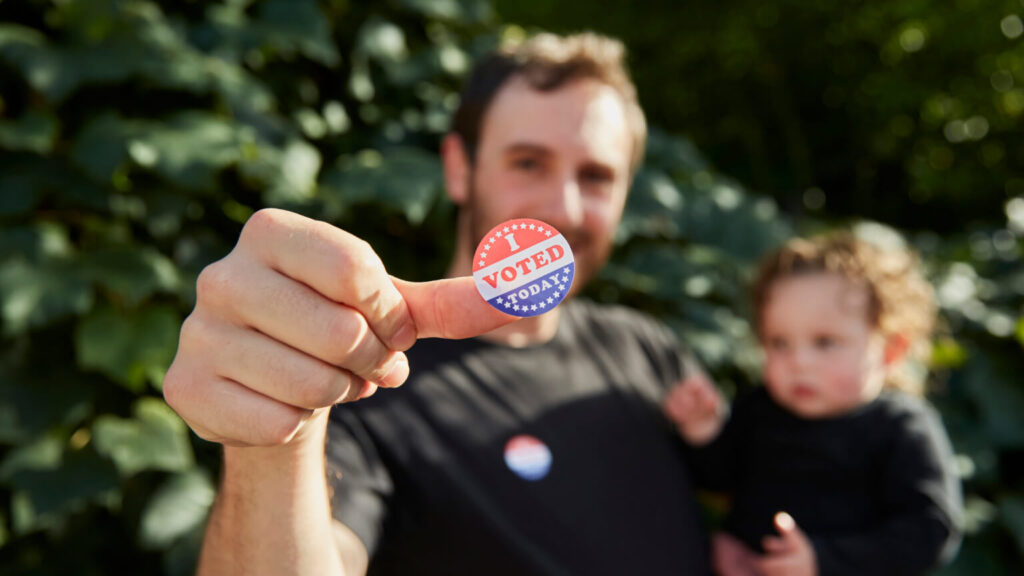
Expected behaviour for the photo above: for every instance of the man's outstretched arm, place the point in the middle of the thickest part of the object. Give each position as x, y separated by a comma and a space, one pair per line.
298, 317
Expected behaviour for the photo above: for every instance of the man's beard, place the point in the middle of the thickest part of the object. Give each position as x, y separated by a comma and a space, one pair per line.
588, 255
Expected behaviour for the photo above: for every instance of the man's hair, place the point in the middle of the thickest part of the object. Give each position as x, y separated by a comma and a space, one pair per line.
547, 62
901, 301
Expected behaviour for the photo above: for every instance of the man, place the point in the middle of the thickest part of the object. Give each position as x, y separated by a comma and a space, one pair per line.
536, 448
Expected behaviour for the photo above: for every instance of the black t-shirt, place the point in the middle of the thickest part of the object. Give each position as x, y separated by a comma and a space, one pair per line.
422, 473
874, 489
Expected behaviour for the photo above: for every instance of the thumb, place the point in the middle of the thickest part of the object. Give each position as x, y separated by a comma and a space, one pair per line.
787, 528
450, 308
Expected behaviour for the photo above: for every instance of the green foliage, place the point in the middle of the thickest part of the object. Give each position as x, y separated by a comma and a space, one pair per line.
137, 136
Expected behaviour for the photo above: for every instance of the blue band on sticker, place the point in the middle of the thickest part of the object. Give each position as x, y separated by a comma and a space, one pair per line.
524, 267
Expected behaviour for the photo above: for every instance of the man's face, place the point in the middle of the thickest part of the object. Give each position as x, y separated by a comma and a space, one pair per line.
561, 157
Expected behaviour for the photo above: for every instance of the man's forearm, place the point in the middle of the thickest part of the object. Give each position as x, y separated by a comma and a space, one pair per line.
272, 515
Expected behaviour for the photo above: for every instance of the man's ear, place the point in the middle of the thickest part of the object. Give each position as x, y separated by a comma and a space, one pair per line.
455, 161
896, 347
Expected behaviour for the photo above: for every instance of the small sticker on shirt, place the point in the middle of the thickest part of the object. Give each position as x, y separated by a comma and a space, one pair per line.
523, 267
528, 457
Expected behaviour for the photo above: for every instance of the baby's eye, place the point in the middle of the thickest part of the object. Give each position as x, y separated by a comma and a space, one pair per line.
777, 344
824, 342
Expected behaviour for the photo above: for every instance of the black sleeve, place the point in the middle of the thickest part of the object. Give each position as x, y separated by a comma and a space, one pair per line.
361, 487
923, 500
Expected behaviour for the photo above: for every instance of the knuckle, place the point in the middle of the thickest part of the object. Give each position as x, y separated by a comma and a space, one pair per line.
280, 426
213, 284
261, 222
321, 387
344, 331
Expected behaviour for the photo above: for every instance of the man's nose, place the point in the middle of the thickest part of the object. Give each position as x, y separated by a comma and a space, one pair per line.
564, 208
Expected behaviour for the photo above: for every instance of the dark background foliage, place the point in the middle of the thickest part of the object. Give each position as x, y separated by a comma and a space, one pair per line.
137, 137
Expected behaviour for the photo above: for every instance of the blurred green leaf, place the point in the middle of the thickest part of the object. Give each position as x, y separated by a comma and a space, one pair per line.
177, 508
35, 398
44, 496
406, 180
32, 132
287, 25
948, 353
130, 347
153, 439
994, 387
1020, 330
39, 294
1011, 510
131, 273
42, 453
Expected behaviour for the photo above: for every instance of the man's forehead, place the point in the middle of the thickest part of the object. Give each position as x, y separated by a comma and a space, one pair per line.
583, 113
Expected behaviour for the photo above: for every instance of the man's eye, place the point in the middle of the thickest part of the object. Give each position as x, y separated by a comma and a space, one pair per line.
596, 176
526, 164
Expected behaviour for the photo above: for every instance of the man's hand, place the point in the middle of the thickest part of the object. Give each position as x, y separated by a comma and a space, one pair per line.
788, 554
697, 409
298, 317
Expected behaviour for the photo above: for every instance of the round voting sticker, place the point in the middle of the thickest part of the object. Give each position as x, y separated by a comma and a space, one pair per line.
528, 457
523, 267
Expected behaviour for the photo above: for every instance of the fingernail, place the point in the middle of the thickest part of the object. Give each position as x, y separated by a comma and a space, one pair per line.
404, 338
398, 373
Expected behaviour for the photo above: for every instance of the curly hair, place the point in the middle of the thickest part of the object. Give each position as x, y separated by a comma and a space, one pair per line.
901, 301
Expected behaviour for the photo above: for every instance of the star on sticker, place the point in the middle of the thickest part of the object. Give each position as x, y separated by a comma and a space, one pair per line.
507, 304
534, 307
505, 230
540, 228
551, 300
565, 270
483, 254
490, 240
498, 234
542, 305
481, 262
533, 226
557, 294
548, 233
560, 287
565, 278
516, 307
515, 227
500, 300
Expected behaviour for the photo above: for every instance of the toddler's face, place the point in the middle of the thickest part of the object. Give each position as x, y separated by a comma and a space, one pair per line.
823, 357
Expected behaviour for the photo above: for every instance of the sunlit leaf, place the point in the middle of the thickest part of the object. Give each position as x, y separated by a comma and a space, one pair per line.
131, 273
33, 295
153, 439
178, 507
403, 179
130, 347
42, 453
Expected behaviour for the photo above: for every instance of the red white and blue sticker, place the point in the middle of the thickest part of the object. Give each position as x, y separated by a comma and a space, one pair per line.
523, 267
528, 457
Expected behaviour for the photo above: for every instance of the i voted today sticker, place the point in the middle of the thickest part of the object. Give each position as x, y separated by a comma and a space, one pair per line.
528, 457
523, 267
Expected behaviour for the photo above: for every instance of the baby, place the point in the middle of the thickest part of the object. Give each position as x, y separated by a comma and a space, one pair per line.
837, 465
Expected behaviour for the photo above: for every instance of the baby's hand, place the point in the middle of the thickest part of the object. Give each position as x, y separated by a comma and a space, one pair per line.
697, 409
730, 557
788, 554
